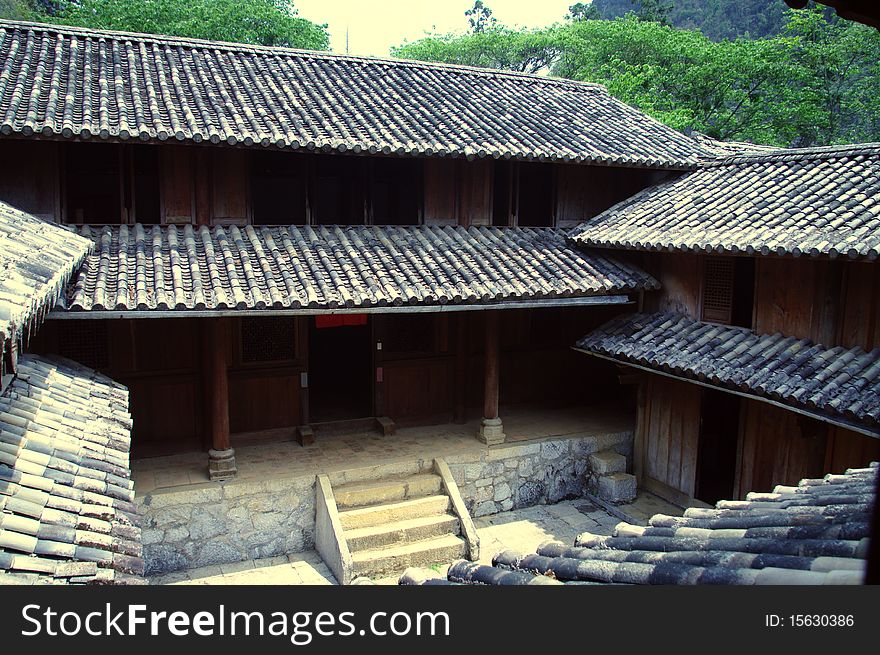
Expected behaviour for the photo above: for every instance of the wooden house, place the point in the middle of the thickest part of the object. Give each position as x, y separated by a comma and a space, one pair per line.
285, 238
762, 344
284, 241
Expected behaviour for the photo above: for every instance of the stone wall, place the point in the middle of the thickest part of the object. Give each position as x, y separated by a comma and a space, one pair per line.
520, 475
225, 522
218, 523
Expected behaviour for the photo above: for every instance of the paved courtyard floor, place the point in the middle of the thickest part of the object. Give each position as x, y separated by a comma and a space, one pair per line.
522, 530
360, 449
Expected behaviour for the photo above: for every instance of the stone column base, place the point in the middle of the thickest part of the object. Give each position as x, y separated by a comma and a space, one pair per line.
491, 431
221, 464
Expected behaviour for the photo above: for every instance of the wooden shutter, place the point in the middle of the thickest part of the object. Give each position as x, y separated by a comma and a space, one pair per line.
178, 197
718, 290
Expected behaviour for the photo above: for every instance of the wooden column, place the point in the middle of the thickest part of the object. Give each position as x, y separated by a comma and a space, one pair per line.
221, 456
459, 414
491, 429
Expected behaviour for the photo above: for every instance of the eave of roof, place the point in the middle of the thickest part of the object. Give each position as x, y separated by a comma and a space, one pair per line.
817, 202
200, 91
835, 385
165, 270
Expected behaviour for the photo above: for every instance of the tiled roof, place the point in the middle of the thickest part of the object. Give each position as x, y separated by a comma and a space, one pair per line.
66, 510
36, 260
839, 383
815, 202
72, 82
195, 268
815, 533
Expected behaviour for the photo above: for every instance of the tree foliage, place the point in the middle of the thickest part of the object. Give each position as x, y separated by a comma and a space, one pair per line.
815, 84
583, 11
524, 51
480, 18
717, 19
266, 22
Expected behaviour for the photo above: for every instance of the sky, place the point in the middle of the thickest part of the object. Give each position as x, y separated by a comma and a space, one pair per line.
374, 27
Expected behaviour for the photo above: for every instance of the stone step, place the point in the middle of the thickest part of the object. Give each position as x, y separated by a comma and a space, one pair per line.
400, 532
392, 560
375, 492
364, 517
606, 462
617, 488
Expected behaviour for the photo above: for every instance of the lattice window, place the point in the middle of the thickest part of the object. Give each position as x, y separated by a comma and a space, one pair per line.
267, 339
718, 290
85, 341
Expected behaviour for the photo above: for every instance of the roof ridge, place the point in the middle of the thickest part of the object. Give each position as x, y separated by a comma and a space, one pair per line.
798, 154
232, 46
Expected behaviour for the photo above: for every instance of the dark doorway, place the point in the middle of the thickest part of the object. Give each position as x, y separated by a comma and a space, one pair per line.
535, 195
716, 452
340, 368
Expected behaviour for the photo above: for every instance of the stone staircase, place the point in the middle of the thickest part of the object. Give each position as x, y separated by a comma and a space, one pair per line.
379, 526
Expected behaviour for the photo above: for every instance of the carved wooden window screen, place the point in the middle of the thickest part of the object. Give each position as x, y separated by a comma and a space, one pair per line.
718, 290
267, 339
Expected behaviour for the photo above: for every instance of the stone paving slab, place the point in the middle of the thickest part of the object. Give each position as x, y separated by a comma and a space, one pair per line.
523, 530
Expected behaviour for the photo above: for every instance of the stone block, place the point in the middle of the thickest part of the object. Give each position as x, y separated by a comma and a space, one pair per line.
492, 431
484, 509
483, 494
530, 493
617, 487
473, 472
584, 447
554, 449
208, 493
221, 464
305, 436
606, 462
502, 492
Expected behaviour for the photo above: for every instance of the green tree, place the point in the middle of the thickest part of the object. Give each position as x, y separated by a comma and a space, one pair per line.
524, 51
582, 11
480, 18
653, 11
17, 10
265, 22
817, 84
837, 68
727, 90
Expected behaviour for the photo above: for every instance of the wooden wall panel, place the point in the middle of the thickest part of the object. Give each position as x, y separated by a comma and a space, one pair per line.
29, 177
229, 196
669, 430
680, 276
476, 192
848, 449
418, 388
177, 183
779, 447
808, 309
440, 192
259, 400
860, 315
